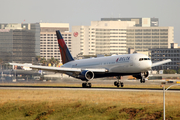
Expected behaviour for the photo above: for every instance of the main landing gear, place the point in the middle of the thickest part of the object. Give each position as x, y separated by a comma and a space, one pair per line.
86, 85
118, 83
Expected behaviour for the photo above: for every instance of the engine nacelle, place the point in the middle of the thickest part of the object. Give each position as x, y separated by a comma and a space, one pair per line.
140, 75
86, 75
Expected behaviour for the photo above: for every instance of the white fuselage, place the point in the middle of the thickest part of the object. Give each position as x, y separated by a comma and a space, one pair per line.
129, 63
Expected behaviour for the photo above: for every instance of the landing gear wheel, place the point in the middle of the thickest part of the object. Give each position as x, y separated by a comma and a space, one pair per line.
86, 85
117, 84
142, 80
122, 84
89, 85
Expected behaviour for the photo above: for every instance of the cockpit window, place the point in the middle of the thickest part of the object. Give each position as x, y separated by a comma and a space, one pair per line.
141, 59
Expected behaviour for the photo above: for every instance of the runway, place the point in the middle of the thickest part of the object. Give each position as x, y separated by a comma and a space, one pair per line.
73, 84
88, 89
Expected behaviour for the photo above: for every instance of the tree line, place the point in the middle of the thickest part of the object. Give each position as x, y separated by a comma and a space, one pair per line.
49, 62
171, 71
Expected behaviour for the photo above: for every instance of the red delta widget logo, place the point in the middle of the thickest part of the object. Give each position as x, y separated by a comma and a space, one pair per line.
123, 59
75, 34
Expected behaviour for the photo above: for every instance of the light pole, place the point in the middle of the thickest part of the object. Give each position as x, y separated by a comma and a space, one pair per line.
172, 85
164, 111
164, 90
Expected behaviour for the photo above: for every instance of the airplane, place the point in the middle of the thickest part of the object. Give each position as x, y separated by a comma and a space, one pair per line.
135, 64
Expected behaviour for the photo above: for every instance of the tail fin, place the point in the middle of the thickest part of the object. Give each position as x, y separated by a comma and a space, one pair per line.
65, 54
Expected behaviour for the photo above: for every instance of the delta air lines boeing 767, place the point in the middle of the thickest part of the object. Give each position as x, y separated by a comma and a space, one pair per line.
88, 69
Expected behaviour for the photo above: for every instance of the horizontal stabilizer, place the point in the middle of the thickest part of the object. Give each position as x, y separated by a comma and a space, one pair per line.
161, 62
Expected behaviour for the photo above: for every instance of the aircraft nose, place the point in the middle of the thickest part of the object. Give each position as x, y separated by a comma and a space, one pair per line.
149, 65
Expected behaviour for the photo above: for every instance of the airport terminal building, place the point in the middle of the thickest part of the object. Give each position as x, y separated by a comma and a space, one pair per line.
19, 42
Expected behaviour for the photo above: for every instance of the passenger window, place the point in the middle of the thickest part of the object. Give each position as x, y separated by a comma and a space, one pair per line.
140, 59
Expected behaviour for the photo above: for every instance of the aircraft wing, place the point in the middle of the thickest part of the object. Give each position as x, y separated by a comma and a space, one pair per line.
161, 62
61, 69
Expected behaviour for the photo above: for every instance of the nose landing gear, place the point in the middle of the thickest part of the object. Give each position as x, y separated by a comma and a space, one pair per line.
142, 80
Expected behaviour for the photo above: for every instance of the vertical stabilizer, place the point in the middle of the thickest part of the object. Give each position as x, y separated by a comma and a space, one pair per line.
65, 54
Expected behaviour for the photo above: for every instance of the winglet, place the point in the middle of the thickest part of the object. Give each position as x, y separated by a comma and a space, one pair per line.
65, 54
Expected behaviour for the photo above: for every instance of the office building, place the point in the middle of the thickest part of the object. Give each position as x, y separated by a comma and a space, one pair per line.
143, 38
116, 37
139, 22
48, 40
102, 37
159, 54
19, 42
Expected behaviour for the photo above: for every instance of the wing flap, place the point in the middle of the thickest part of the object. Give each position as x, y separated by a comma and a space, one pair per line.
161, 62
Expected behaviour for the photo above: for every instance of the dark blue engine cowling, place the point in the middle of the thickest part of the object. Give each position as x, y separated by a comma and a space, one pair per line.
86, 75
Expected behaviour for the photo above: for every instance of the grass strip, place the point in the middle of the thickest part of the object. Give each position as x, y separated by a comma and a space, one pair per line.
90, 105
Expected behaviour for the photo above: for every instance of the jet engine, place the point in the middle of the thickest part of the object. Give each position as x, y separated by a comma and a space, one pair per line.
140, 75
86, 75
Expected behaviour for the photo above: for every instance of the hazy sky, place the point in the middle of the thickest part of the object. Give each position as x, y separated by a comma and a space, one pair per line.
82, 12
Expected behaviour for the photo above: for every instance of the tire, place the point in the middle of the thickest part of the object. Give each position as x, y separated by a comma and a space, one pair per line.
83, 85
89, 85
115, 83
144, 80
141, 81
122, 84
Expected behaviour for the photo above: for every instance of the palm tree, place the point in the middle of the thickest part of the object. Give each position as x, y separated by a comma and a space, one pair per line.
57, 62
52, 61
43, 61
38, 58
